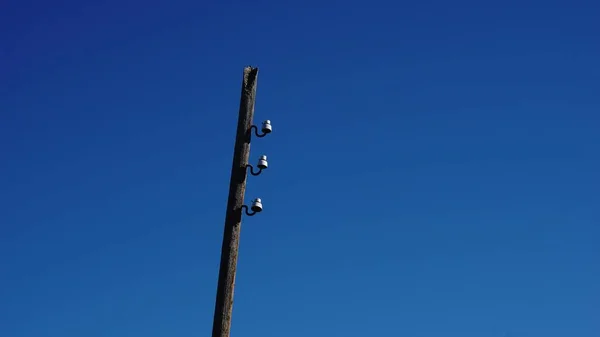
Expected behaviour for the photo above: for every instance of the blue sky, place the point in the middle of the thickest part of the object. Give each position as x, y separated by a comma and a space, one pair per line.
433, 169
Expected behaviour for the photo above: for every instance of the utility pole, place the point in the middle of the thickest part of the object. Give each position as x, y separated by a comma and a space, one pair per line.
235, 202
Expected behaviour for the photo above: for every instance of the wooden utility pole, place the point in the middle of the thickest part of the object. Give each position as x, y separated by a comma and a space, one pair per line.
233, 217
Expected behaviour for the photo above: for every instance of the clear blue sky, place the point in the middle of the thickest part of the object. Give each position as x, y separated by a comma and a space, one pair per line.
434, 167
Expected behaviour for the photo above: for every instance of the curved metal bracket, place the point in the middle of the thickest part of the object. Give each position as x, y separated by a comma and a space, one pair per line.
259, 135
252, 170
248, 213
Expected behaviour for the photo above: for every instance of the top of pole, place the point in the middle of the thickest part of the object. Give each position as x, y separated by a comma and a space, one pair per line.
249, 69
250, 75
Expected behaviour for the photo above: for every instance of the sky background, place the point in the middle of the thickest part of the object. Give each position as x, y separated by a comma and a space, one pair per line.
434, 167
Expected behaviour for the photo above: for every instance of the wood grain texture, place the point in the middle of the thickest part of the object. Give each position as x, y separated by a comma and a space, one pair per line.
233, 217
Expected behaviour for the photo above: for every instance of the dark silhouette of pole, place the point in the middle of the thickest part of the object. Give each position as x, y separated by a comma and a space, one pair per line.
233, 217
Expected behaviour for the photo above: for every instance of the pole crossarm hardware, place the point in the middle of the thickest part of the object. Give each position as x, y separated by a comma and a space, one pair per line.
266, 129
235, 202
251, 170
245, 208
255, 208
262, 165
